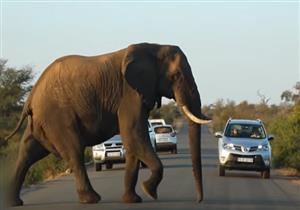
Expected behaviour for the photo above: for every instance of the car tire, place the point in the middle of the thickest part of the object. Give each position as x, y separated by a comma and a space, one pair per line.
155, 148
98, 167
174, 151
109, 165
221, 170
265, 174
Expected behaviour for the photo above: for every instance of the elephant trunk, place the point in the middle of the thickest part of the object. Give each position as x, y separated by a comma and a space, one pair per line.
195, 148
191, 107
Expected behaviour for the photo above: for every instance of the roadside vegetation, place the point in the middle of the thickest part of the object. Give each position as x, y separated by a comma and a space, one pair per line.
281, 120
170, 113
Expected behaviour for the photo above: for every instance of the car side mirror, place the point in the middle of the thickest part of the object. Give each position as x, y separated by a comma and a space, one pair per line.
270, 137
218, 134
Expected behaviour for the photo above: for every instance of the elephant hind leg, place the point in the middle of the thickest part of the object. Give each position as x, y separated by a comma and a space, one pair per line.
30, 151
85, 191
69, 147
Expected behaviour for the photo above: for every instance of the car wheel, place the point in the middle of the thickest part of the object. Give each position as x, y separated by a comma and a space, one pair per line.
155, 150
221, 170
109, 165
98, 166
265, 174
174, 150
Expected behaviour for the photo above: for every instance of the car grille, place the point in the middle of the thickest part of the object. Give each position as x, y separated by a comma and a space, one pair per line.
114, 145
239, 148
253, 149
257, 159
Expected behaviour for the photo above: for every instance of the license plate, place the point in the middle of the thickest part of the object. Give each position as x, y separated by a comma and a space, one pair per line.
113, 154
245, 160
162, 140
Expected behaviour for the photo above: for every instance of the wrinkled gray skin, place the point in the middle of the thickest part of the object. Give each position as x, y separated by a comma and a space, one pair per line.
82, 101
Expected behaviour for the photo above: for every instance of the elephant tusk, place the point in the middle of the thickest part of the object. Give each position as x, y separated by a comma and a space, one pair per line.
193, 117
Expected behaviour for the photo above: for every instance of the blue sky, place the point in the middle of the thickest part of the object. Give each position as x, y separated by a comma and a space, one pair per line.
235, 48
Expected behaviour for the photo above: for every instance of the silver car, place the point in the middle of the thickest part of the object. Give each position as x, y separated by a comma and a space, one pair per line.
244, 145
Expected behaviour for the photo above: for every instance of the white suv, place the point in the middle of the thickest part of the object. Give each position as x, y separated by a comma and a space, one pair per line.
244, 145
154, 122
112, 151
165, 137
108, 153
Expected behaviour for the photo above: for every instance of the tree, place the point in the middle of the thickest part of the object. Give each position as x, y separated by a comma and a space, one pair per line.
288, 96
14, 86
169, 112
263, 99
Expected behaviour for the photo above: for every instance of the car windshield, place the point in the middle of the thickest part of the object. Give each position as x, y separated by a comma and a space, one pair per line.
156, 123
163, 130
245, 131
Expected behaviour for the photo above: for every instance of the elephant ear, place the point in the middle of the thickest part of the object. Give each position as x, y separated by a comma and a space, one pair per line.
140, 71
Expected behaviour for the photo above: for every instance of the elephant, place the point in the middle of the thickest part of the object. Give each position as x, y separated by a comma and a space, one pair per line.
81, 101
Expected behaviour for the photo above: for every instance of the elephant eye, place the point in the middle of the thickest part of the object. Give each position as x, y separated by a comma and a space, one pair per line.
176, 76
173, 57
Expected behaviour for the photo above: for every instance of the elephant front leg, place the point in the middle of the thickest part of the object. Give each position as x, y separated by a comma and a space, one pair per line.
131, 176
153, 162
138, 145
133, 124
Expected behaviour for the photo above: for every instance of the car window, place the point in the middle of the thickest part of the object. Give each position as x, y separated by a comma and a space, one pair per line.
163, 130
245, 131
156, 123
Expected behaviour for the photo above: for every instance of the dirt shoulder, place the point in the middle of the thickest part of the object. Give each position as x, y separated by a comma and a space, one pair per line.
290, 174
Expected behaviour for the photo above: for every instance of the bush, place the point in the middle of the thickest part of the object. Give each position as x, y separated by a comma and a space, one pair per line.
286, 146
48, 167
88, 154
169, 112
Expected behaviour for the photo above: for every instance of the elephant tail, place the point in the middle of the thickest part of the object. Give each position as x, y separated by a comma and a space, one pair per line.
25, 112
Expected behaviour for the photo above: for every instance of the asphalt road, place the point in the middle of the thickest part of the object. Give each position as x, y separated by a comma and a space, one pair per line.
238, 190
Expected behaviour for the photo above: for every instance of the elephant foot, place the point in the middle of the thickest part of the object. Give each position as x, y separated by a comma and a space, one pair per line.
15, 202
200, 199
131, 198
149, 190
89, 197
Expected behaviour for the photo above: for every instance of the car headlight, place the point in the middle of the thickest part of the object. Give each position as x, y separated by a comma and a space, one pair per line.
99, 147
228, 146
263, 147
